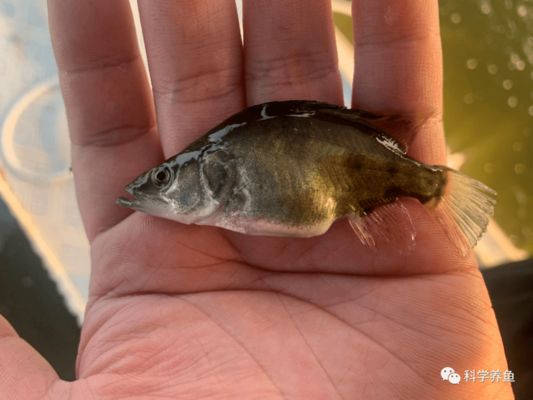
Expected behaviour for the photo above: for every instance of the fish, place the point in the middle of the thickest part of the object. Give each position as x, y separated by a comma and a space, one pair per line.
292, 168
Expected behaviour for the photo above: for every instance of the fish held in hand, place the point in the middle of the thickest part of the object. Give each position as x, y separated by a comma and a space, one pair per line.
292, 168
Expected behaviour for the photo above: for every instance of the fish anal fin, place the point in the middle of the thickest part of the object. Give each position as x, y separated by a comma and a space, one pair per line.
389, 225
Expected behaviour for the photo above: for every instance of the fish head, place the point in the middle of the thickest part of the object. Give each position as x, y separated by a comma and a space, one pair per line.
186, 188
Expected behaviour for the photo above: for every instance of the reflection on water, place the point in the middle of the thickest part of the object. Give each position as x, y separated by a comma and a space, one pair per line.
488, 100
488, 65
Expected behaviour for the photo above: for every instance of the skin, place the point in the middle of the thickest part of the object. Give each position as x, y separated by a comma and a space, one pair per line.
195, 312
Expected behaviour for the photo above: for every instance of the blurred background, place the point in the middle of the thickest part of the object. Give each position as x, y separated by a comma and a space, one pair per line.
44, 261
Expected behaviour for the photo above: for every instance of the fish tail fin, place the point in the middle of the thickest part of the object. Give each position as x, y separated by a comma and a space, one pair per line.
464, 209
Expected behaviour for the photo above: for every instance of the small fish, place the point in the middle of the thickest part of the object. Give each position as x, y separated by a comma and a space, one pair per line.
292, 168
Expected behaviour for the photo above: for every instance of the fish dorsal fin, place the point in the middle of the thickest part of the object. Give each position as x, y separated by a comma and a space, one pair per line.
276, 109
294, 108
370, 123
392, 144
308, 108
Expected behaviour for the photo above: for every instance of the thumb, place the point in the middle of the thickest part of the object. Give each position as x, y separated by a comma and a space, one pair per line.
24, 373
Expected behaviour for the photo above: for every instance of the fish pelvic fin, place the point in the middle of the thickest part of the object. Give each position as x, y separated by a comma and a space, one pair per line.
388, 224
464, 209
360, 228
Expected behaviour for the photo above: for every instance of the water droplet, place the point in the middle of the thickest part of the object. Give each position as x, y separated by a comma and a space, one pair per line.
522, 10
486, 7
27, 281
518, 146
468, 98
488, 168
520, 196
512, 101
520, 65
456, 18
492, 68
530, 110
519, 168
515, 62
471, 63
507, 84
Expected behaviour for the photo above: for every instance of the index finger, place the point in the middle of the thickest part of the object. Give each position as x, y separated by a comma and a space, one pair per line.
108, 103
398, 67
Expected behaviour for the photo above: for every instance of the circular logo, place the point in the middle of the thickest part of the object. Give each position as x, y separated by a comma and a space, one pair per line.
445, 373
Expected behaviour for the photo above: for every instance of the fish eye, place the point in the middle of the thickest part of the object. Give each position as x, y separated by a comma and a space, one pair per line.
161, 177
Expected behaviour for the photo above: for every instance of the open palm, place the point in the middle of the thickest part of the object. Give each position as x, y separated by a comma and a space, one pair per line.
195, 312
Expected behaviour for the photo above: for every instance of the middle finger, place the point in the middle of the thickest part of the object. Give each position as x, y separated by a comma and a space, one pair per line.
195, 58
290, 51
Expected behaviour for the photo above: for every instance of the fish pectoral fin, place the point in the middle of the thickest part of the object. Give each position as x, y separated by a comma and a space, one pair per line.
241, 197
390, 223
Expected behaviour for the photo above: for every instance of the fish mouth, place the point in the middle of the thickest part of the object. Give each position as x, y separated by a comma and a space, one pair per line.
129, 203
132, 203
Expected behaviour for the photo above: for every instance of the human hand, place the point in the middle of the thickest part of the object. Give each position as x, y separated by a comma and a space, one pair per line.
194, 312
